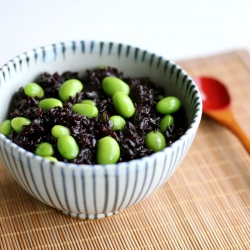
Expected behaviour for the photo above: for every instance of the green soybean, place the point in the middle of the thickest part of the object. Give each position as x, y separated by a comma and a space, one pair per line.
18, 122
51, 158
44, 149
85, 109
118, 122
102, 67
49, 103
112, 84
70, 88
5, 127
155, 141
168, 105
59, 130
33, 89
108, 151
165, 122
87, 101
67, 147
123, 104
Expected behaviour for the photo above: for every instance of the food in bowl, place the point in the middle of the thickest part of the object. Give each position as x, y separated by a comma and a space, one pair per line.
93, 191
100, 118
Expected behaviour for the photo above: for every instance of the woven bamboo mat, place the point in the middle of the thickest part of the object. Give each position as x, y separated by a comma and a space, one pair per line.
205, 204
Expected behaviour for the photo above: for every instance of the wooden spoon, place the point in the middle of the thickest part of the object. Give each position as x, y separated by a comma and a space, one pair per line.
217, 104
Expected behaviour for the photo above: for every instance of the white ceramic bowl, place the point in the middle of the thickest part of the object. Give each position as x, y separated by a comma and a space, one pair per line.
96, 191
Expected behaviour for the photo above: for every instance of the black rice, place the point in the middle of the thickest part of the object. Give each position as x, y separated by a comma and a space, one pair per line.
144, 93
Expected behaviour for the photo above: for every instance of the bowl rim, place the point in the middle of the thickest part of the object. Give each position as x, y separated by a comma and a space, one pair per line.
193, 125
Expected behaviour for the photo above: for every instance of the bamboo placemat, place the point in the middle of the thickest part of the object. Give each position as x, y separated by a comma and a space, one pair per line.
204, 205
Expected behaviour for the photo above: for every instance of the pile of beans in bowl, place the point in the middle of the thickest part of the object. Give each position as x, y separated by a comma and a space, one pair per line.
100, 118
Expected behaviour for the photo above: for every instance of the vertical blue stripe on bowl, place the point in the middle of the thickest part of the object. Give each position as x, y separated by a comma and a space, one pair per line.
177, 76
166, 66
189, 83
136, 54
110, 47
35, 54
159, 62
43, 54
116, 189
83, 185
162, 173
119, 50
83, 46
93, 176
127, 50
151, 59
134, 187
63, 49
101, 48
126, 187
106, 189
92, 45
169, 168
54, 187
74, 46
144, 55
144, 181
34, 182
14, 66
54, 51
27, 59
151, 181
27, 184
184, 80
73, 174
18, 174
172, 70
45, 183
64, 189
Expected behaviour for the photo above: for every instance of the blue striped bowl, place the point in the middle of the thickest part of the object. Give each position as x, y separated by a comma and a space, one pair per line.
96, 191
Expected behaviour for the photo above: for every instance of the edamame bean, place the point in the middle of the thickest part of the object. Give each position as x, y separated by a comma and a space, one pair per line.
118, 122
165, 122
86, 101
102, 67
67, 147
5, 127
33, 89
168, 105
51, 158
44, 149
18, 122
49, 103
123, 104
59, 130
112, 84
85, 109
155, 141
70, 88
108, 151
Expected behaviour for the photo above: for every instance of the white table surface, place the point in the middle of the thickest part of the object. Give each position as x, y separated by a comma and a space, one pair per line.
174, 29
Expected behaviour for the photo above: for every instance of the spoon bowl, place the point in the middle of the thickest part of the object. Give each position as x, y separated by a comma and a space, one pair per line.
217, 105
215, 95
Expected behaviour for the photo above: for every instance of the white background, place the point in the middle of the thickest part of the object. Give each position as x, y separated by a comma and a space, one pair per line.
174, 29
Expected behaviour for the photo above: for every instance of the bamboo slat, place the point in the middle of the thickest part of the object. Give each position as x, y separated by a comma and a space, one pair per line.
204, 205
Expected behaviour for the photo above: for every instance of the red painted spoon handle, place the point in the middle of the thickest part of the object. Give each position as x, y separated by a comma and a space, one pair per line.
226, 118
